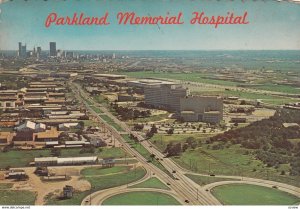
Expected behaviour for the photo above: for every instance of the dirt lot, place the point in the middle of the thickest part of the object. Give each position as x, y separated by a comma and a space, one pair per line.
42, 188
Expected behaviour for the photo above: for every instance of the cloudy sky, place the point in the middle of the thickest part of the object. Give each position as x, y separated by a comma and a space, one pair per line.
272, 25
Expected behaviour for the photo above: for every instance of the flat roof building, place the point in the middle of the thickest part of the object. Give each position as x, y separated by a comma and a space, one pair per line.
201, 108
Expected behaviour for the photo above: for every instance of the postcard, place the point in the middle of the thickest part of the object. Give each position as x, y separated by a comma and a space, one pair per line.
149, 103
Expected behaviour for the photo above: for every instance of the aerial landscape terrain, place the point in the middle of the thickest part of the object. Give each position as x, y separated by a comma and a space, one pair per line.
157, 127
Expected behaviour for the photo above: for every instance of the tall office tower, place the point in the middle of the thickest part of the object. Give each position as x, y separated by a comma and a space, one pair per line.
20, 49
23, 51
39, 50
52, 49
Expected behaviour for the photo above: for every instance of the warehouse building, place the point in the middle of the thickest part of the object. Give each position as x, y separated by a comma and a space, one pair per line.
53, 161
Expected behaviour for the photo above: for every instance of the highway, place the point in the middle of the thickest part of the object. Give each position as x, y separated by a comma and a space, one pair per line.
185, 188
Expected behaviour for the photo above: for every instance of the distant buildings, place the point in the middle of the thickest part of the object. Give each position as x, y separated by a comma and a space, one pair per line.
201, 108
52, 49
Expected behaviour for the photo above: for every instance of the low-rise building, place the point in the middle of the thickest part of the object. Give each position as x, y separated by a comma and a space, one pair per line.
201, 108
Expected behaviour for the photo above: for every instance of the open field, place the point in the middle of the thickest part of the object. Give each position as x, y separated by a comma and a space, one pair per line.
151, 183
245, 194
266, 98
113, 180
6, 185
19, 197
161, 140
141, 198
110, 121
21, 158
75, 200
203, 180
152, 118
232, 161
200, 77
103, 171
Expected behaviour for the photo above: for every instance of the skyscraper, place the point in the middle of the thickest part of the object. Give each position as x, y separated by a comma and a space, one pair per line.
20, 49
52, 49
38, 52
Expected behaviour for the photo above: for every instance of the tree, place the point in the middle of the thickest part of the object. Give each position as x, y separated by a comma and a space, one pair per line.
149, 135
170, 131
152, 156
153, 129
173, 149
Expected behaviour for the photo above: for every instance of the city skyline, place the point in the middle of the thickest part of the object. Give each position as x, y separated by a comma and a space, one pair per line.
269, 27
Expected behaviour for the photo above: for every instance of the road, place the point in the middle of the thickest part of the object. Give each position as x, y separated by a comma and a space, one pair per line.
184, 187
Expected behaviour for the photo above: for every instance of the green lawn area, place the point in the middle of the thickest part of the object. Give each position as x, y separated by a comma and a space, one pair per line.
152, 183
16, 158
21, 158
161, 140
103, 171
141, 198
270, 99
245, 194
13, 197
96, 109
88, 123
194, 77
232, 161
114, 180
152, 118
75, 200
200, 77
6, 185
111, 122
203, 180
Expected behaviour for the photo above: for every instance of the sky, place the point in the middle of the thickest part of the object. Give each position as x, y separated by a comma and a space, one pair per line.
272, 25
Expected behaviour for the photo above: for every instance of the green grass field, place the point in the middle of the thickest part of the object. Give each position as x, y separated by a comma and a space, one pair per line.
203, 180
75, 200
13, 197
200, 77
21, 158
161, 140
103, 171
111, 122
232, 161
266, 98
152, 118
113, 180
141, 198
152, 183
6, 185
243, 194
